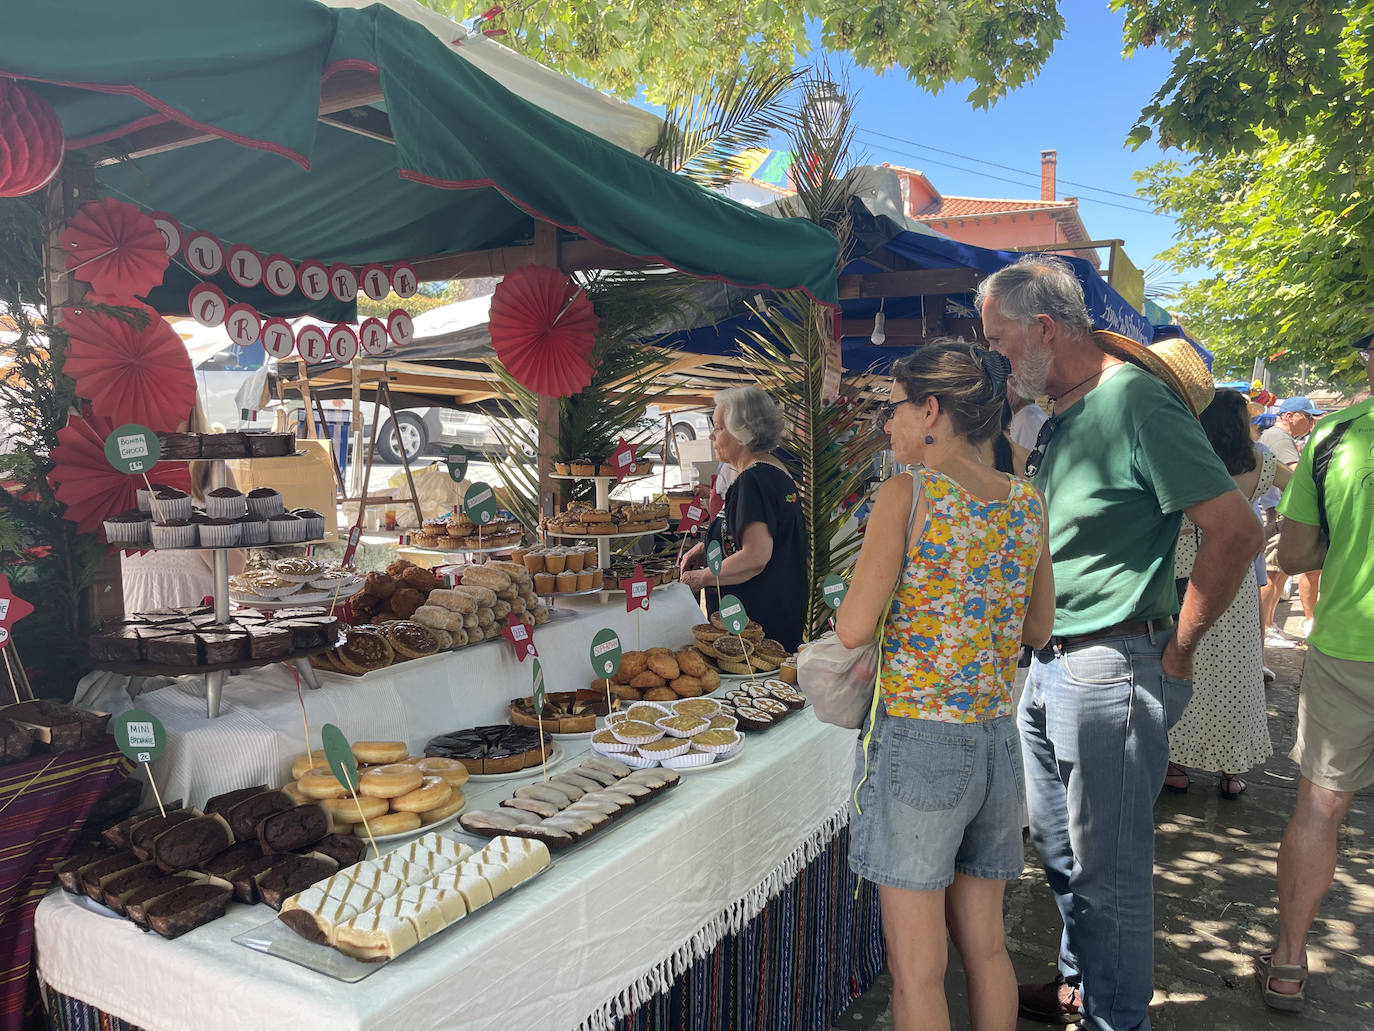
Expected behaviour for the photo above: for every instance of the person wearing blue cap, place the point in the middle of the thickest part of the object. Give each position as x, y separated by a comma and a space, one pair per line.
1296, 417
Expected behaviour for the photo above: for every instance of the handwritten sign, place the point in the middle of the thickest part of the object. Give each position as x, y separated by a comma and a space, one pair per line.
732, 614
139, 735
692, 517
833, 590
480, 503
714, 557
456, 460
133, 448
518, 634
623, 459
637, 591
605, 653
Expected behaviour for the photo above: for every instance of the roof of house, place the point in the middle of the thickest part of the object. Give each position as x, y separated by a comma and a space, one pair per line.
950, 208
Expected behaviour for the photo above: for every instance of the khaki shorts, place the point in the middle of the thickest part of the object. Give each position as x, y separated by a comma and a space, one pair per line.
1271, 560
1335, 741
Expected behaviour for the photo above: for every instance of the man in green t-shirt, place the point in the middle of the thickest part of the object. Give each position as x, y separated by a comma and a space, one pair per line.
1119, 463
1335, 741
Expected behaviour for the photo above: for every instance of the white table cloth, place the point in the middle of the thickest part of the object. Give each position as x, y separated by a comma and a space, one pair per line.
609, 925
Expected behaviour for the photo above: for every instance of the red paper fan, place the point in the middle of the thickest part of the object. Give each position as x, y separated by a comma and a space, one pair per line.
116, 248
91, 488
31, 140
128, 374
543, 328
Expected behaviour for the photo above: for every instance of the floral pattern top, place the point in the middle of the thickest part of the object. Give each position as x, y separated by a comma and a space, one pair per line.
952, 639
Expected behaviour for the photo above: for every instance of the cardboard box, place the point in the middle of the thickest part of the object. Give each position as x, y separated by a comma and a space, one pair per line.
305, 481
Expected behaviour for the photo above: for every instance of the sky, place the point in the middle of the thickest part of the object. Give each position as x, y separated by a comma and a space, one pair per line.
1082, 104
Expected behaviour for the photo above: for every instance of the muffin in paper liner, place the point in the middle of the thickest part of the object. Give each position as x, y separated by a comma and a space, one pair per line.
633, 732
265, 504
286, 531
171, 510
688, 760
127, 532
683, 726
225, 506
665, 748
605, 742
314, 527
220, 535
254, 531
719, 742
173, 536
636, 761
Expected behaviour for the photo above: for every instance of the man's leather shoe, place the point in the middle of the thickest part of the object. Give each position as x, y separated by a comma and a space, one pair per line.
1057, 1002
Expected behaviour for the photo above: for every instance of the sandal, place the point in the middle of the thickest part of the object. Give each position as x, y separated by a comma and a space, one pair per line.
1177, 780
1230, 786
1266, 970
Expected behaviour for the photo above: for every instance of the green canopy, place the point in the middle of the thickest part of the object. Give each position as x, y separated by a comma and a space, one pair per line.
471, 166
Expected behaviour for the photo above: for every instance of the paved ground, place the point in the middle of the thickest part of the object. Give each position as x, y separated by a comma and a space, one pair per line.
1214, 904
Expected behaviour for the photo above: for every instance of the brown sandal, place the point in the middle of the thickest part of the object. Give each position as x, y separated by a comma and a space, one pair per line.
1285, 1002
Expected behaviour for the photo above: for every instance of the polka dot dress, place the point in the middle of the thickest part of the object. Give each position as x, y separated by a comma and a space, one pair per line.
1225, 727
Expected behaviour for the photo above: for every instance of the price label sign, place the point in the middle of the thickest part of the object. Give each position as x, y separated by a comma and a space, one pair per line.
833, 590
518, 634
692, 516
354, 536
714, 557
732, 614
133, 448
623, 459
537, 673
605, 653
637, 591
480, 503
457, 462
339, 754
139, 735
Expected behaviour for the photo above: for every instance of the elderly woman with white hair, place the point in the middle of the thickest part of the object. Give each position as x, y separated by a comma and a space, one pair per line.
761, 530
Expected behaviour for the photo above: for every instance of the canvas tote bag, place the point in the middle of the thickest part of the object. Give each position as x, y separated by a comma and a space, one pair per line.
841, 682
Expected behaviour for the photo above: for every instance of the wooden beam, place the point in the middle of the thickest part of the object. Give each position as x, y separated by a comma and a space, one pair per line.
364, 121
574, 256
338, 93
909, 284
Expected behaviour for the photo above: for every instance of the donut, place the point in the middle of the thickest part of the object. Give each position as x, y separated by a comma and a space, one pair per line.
375, 753
346, 810
454, 804
432, 793
315, 760
454, 773
389, 781
395, 823
318, 784
292, 791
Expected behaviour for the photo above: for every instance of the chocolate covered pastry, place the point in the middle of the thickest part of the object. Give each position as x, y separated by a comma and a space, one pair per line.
344, 849
285, 879
293, 829
191, 842
140, 898
185, 909
145, 832
246, 815
226, 801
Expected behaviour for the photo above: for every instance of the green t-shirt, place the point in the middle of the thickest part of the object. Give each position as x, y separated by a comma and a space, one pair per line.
1123, 464
1343, 624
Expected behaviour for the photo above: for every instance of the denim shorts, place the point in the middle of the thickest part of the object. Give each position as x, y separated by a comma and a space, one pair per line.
939, 799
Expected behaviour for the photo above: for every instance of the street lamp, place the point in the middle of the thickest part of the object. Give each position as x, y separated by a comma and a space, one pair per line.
824, 110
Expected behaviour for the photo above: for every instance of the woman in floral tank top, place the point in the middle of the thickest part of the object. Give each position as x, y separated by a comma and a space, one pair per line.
937, 781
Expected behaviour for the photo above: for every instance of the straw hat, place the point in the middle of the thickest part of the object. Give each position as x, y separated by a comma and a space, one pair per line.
1173, 360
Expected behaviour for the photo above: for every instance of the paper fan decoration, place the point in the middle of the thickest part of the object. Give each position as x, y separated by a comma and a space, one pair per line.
91, 488
543, 329
129, 374
31, 140
116, 248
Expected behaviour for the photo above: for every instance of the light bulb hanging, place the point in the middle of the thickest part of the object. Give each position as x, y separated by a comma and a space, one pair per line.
879, 326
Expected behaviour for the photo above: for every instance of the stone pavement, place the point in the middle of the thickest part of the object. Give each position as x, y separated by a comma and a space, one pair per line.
1215, 903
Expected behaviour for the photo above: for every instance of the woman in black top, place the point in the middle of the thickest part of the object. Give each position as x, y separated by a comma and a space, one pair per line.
761, 532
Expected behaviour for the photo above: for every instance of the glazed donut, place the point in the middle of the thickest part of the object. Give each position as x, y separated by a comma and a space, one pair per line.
318, 784
374, 753
345, 810
293, 791
315, 760
431, 794
454, 773
390, 780
395, 823
456, 802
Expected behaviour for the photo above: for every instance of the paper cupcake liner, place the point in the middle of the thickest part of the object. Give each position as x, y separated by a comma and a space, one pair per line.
170, 509
274, 593
673, 732
721, 749
686, 707
682, 746
173, 536
633, 738
295, 578
614, 748
145, 500
128, 533
688, 760
226, 536
266, 506
734, 723
286, 533
314, 528
254, 533
225, 508
730, 752
616, 717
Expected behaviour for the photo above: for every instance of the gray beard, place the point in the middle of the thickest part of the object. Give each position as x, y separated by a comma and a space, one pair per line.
1032, 372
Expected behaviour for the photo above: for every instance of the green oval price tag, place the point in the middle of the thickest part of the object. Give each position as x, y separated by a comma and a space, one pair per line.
339, 754
833, 590
133, 448
605, 654
480, 503
537, 675
732, 614
714, 557
457, 462
139, 735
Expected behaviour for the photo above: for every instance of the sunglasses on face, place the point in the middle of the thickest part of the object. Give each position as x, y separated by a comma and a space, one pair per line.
1042, 441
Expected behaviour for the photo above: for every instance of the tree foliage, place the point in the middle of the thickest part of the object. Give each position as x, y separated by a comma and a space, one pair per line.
623, 45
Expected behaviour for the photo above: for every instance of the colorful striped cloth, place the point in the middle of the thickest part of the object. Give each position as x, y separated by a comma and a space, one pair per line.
43, 806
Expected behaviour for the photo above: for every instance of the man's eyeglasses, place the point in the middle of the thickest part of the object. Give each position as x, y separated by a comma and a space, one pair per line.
1042, 440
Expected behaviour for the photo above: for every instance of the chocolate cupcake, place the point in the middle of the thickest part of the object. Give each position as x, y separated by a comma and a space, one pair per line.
168, 504
220, 533
314, 522
263, 444
265, 501
253, 530
128, 528
145, 496
285, 528
179, 533
179, 446
225, 503
223, 445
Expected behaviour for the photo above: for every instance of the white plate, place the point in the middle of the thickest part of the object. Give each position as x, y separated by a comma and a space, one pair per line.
555, 757
422, 829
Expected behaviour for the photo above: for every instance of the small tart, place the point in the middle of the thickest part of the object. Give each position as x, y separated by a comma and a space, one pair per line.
665, 748
605, 741
635, 732
645, 713
688, 760
683, 726
697, 707
716, 740
720, 721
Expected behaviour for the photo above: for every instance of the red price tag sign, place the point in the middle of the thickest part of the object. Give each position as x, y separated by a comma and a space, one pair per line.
12, 608
692, 516
637, 591
623, 459
518, 634
354, 536
716, 503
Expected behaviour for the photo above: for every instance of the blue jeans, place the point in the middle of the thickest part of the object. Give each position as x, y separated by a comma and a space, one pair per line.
1094, 723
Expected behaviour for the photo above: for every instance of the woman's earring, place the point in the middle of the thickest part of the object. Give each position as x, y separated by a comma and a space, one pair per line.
930, 439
